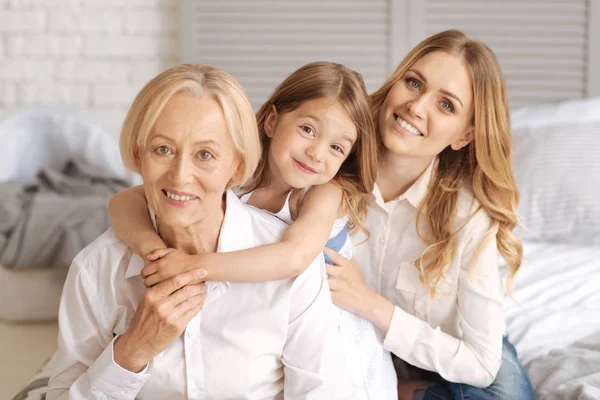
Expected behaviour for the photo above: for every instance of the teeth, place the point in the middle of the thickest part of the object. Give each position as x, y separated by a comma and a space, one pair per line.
408, 127
179, 198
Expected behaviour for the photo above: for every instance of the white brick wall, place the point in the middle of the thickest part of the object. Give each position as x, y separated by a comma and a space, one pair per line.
91, 55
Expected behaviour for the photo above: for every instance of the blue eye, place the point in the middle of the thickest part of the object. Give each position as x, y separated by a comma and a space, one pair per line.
413, 83
163, 150
447, 106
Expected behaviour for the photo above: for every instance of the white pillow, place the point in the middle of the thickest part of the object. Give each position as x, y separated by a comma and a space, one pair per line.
49, 137
557, 168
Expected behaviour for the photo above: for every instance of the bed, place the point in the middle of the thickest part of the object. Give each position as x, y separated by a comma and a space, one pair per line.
553, 315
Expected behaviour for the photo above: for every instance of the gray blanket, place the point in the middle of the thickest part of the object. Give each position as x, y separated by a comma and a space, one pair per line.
569, 373
45, 224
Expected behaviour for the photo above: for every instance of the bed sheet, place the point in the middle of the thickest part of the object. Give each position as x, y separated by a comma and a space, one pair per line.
556, 298
554, 319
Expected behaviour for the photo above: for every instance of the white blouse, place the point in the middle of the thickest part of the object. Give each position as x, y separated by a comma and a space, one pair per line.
457, 334
270, 340
369, 364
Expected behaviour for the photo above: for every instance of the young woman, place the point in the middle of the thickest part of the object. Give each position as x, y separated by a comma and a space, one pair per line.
317, 173
445, 208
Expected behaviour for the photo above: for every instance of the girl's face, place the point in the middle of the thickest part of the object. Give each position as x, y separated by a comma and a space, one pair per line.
309, 144
429, 108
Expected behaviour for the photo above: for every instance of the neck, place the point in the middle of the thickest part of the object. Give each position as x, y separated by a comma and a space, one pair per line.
397, 173
272, 196
202, 237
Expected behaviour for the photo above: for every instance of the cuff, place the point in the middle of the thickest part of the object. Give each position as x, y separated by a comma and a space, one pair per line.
402, 333
108, 377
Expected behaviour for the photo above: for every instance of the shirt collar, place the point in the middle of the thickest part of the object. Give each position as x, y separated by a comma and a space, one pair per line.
236, 232
415, 193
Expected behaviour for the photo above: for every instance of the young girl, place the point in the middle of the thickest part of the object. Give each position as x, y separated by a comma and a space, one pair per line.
317, 174
445, 207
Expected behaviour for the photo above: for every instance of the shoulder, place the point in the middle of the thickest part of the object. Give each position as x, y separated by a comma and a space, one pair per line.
265, 224
328, 191
100, 258
470, 215
325, 198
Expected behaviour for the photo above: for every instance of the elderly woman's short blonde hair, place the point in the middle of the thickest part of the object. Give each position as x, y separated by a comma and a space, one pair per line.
198, 81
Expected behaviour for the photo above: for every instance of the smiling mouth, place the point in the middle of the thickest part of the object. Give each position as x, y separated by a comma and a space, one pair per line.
176, 197
411, 130
304, 168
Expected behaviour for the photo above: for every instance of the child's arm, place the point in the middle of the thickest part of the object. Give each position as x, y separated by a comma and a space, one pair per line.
131, 223
299, 245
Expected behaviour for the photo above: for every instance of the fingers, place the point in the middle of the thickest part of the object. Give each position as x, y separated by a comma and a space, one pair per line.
335, 285
335, 272
191, 308
335, 257
149, 270
158, 253
185, 294
174, 283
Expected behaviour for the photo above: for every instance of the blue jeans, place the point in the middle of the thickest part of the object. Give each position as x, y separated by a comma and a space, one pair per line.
511, 383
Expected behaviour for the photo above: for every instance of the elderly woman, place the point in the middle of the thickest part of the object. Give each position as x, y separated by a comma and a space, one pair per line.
192, 135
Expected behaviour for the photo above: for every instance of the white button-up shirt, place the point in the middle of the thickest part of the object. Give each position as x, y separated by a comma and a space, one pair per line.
270, 340
458, 333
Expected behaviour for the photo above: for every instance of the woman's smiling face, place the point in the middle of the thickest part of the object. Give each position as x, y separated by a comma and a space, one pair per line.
429, 108
188, 161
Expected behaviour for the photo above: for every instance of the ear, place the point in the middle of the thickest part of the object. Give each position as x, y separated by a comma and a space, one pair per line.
464, 140
271, 121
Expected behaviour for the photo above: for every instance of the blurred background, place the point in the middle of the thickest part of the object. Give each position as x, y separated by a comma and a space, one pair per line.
95, 55
69, 69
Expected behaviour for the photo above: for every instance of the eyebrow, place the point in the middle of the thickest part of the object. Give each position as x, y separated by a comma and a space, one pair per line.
207, 141
447, 93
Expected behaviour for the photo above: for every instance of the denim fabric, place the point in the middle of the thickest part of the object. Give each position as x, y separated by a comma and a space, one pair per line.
511, 383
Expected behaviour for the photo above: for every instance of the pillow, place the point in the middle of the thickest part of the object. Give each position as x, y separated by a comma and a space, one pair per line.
49, 137
556, 158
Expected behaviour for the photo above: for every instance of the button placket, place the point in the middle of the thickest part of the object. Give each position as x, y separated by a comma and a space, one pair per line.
193, 364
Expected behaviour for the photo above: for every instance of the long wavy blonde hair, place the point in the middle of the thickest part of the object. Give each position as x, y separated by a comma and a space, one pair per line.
484, 166
356, 177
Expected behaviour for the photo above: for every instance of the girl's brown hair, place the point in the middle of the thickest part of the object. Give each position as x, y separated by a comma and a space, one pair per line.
357, 174
483, 166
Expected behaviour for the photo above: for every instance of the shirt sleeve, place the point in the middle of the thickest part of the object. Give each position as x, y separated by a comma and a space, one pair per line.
312, 355
84, 366
475, 358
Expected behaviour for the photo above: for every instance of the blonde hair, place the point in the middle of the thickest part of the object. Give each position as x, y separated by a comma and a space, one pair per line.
193, 80
484, 166
356, 177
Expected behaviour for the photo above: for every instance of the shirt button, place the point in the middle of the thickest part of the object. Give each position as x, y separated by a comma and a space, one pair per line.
192, 335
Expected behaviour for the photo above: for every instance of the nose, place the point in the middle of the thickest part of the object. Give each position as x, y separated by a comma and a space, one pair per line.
416, 107
181, 172
316, 150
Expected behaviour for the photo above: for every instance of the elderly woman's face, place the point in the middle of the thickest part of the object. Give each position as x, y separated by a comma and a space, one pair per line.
188, 162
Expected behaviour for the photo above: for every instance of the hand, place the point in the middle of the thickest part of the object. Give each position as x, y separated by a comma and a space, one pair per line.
350, 291
161, 316
166, 263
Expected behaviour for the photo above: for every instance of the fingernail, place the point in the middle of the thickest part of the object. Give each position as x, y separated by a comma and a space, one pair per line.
201, 273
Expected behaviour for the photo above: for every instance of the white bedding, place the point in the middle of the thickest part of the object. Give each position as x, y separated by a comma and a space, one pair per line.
554, 320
